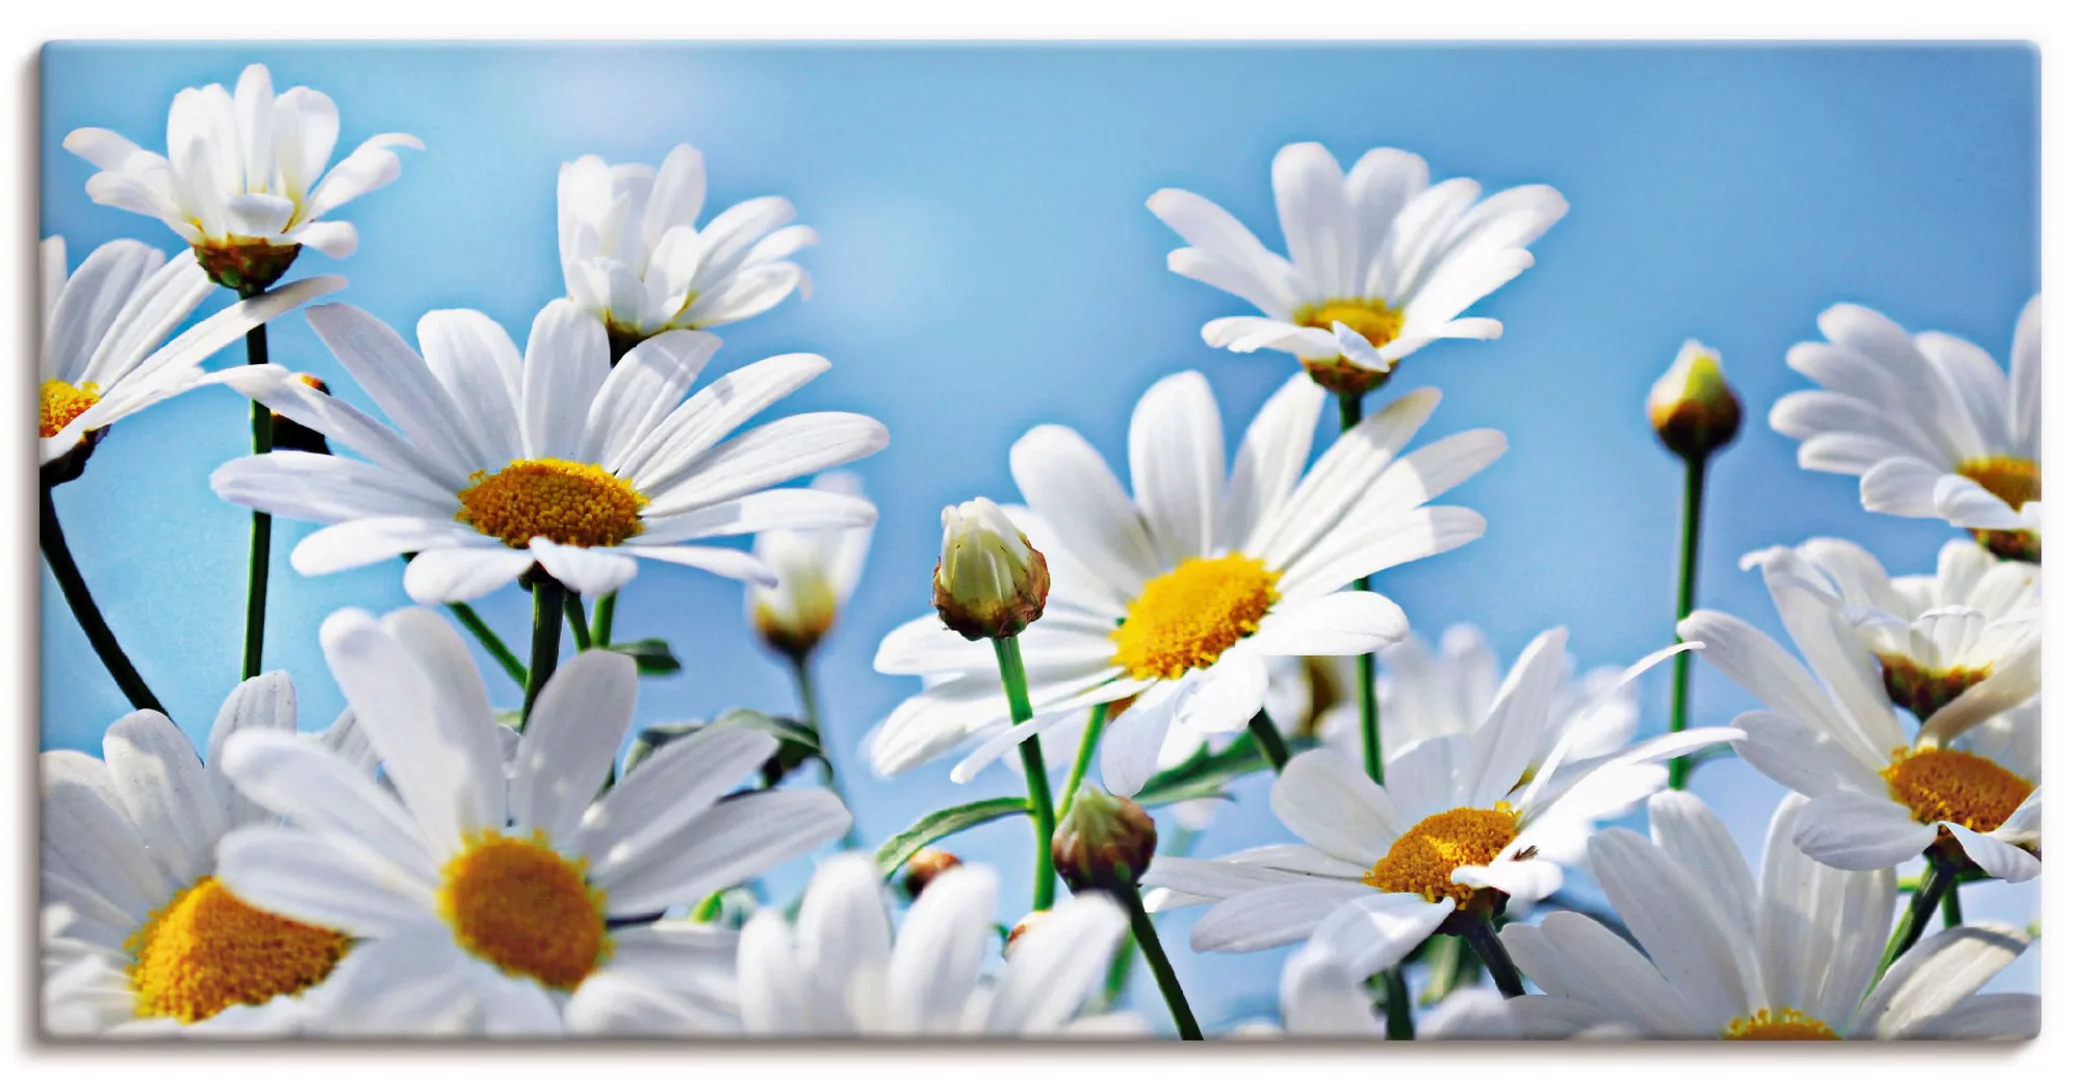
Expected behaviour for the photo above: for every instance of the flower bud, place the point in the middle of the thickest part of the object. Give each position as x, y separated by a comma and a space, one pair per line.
1104, 842
290, 435
990, 583
924, 868
248, 268
1693, 409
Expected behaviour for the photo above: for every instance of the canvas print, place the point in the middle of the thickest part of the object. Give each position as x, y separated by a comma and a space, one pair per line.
1450, 542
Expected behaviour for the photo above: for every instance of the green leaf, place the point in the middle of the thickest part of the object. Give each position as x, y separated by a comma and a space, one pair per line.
787, 731
653, 739
941, 824
797, 743
1206, 775
653, 656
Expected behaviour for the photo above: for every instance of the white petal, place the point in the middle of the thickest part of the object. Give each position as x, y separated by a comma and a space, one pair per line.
312, 880
1373, 933
1175, 454
161, 782
1857, 832
1054, 965
733, 842
1326, 800
586, 571
1268, 917
1340, 624
1938, 973
572, 736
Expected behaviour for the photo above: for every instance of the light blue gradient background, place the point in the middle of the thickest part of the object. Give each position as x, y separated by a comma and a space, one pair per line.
987, 264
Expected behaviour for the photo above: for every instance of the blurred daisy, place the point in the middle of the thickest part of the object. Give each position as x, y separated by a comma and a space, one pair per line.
244, 179
1458, 820
1832, 734
1929, 422
633, 258
566, 461
1319, 998
1380, 262
1788, 958
533, 898
1177, 596
817, 571
838, 972
105, 353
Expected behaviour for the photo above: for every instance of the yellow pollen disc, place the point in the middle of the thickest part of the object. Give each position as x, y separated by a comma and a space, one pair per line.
207, 950
1952, 785
1422, 860
519, 905
1780, 1025
1187, 618
570, 503
1369, 319
2012, 480
62, 403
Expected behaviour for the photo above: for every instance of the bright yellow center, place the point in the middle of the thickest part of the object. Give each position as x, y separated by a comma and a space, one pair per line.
1187, 618
62, 403
519, 905
575, 504
1369, 319
1780, 1025
2012, 480
1952, 785
1422, 860
207, 950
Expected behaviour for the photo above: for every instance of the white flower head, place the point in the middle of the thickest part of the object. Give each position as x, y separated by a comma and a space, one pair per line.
529, 903
1929, 423
818, 569
1786, 957
1457, 821
243, 169
565, 460
1380, 262
105, 353
1179, 596
633, 258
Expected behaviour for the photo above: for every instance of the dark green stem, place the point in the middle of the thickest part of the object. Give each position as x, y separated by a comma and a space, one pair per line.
1481, 934
549, 621
1160, 966
259, 554
482, 631
603, 619
1937, 882
1953, 914
1039, 803
1351, 410
1270, 741
574, 613
812, 718
1401, 1023
1686, 584
1085, 748
59, 554
1117, 973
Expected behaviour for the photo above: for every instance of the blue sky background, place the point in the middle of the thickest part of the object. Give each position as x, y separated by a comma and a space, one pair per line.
987, 264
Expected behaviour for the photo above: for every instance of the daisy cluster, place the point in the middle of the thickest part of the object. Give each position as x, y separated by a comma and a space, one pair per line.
431, 864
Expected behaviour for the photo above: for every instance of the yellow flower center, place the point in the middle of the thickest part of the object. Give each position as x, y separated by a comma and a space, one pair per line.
580, 505
62, 403
2012, 480
1923, 691
1189, 617
1952, 785
1780, 1025
1422, 860
207, 950
1369, 319
519, 905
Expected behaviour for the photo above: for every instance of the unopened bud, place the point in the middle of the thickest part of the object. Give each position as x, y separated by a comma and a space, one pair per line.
248, 267
290, 435
1104, 842
990, 583
1693, 409
924, 868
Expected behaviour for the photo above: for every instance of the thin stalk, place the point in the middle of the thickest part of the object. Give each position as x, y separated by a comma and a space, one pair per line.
1937, 881
1085, 749
1117, 973
1686, 585
487, 637
549, 621
1953, 914
603, 619
59, 554
812, 718
259, 551
574, 612
1159, 965
1350, 410
1270, 741
1401, 1022
1481, 934
1011, 667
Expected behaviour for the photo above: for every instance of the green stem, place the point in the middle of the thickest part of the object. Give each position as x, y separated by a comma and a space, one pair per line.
258, 554
59, 554
549, 621
603, 619
1117, 973
1351, 410
482, 631
1039, 803
1085, 749
1686, 584
1481, 934
1160, 965
1954, 915
574, 612
1937, 881
1401, 1023
812, 718
1270, 741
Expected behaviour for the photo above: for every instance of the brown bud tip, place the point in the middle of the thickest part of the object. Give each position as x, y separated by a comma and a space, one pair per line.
1692, 408
925, 867
1020, 927
290, 435
990, 583
1104, 842
247, 267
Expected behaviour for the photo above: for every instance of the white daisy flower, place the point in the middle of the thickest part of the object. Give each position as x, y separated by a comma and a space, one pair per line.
633, 258
1929, 422
1177, 596
566, 461
244, 179
1459, 818
1789, 957
1382, 262
838, 972
818, 571
1832, 734
105, 353
141, 935
535, 899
